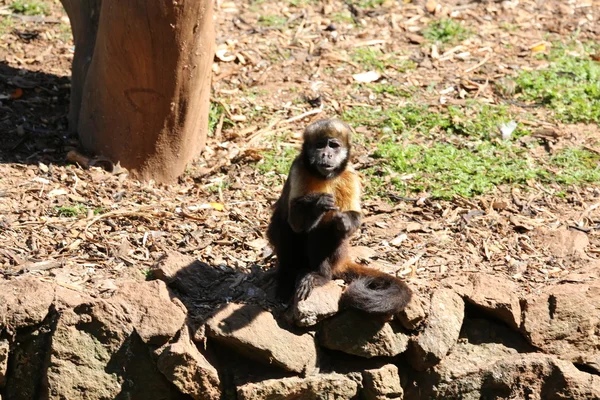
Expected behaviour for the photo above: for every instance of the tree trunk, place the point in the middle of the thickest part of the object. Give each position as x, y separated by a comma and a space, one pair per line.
141, 81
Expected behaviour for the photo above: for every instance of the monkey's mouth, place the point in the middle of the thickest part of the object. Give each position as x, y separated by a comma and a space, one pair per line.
327, 167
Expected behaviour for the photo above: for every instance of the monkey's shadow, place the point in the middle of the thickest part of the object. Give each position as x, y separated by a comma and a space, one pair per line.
206, 289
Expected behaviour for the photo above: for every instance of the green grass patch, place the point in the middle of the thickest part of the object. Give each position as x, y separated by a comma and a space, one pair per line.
445, 170
475, 120
369, 3
278, 159
575, 166
71, 211
458, 151
271, 20
375, 59
29, 7
446, 30
570, 86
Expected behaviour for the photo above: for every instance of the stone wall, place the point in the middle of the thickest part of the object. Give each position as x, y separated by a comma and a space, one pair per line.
204, 333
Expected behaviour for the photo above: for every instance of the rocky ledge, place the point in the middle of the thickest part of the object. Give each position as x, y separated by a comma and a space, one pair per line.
199, 332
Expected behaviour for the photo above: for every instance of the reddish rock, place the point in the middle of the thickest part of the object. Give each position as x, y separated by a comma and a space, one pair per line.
323, 302
255, 333
362, 335
414, 314
316, 387
24, 302
188, 369
565, 320
382, 383
4, 348
441, 330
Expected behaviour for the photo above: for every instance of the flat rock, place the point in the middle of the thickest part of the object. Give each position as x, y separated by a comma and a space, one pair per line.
565, 320
362, 335
441, 330
562, 242
382, 383
521, 376
24, 302
494, 295
156, 317
255, 333
414, 314
323, 302
184, 273
316, 387
4, 348
78, 365
188, 369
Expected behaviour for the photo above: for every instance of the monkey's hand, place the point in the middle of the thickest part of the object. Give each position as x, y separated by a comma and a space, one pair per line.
307, 284
346, 223
306, 211
325, 202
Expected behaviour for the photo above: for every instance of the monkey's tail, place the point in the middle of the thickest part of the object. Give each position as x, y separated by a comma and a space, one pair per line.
373, 291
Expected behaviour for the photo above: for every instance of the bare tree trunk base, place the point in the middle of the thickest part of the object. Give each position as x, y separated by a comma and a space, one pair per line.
141, 82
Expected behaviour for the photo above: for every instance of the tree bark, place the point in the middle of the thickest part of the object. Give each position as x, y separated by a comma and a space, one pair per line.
141, 81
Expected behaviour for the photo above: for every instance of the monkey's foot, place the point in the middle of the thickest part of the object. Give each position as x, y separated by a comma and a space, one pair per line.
307, 284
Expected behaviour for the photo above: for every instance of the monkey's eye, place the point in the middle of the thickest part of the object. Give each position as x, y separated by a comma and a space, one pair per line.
334, 144
321, 145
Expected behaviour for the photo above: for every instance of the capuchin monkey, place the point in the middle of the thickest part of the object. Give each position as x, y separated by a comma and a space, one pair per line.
313, 220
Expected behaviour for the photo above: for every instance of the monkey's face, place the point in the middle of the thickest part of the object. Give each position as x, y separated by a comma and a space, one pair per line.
328, 156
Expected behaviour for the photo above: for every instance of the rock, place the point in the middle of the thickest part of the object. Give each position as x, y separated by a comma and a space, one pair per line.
24, 302
413, 315
562, 242
362, 335
184, 273
382, 383
497, 297
78, 365
28, 355
441, 330
565, 320
156, 317
186, 367
316, 387
255, 333
4, 348
532, 376
323, 302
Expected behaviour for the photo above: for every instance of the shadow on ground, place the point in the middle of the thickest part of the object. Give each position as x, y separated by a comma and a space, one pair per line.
33, 117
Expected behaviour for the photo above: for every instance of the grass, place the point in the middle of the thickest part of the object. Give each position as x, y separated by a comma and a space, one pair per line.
445, 30
375, 59
278, 159
6, 25
71, 211
29, 7
271, 20
445, 170
458, 151
475, 120
570, 85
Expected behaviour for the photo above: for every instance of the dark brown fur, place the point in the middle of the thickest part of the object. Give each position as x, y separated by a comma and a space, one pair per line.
311, 227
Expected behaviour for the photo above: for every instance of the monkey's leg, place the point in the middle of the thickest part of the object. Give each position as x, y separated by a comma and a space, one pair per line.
322, 249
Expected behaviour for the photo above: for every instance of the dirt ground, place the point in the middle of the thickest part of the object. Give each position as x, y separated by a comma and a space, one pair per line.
87, 228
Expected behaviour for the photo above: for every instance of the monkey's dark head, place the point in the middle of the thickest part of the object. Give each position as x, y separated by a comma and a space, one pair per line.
326, 148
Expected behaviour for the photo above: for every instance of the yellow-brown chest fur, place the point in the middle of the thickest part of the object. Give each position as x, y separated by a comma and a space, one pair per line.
345, 188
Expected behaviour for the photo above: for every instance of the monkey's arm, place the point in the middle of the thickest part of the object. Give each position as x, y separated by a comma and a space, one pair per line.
305, 212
